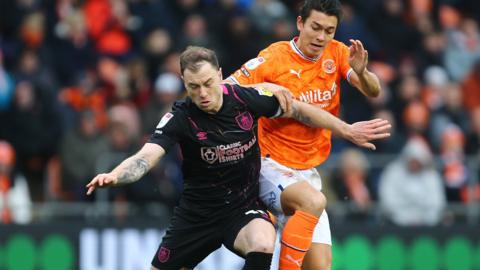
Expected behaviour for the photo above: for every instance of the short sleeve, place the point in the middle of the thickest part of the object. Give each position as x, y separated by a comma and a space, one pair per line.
259, 100
255, 70
343, 55
168, 130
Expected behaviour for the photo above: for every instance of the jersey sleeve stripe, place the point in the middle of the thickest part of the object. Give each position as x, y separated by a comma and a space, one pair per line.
232, 80
349, 73
278, 113
225, 90
236, 96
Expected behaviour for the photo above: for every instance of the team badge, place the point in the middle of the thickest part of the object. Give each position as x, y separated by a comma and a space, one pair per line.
209, 154
329, 66
263, 92
244, 121
163, 254
254, 63
164, 120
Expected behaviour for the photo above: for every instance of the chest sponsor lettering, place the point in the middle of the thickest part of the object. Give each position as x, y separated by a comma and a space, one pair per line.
225, 153
324, 97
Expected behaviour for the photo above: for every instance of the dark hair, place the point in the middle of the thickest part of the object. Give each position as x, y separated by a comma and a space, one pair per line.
329, 7
193, 55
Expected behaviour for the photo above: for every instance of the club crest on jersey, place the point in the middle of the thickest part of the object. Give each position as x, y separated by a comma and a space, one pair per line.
254, 63
164, 120
163, 254
244, 120
329, 66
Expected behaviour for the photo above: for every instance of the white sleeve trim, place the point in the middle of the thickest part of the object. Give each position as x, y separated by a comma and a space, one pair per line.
232, 79
349, 73
278, 113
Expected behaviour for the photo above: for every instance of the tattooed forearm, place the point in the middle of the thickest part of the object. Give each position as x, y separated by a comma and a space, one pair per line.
133, 171
297, 115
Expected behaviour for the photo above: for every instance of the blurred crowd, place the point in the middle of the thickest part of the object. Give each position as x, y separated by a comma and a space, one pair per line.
83, 83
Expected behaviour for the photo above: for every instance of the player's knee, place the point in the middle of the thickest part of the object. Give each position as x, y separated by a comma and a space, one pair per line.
264, 241
318, 260
323, 263
320, 201
314, 203
302, 196
260, 246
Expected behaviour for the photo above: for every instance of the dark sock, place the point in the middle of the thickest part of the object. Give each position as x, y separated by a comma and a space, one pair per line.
258, 261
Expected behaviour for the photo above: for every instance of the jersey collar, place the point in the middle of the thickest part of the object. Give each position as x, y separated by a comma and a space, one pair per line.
297, 50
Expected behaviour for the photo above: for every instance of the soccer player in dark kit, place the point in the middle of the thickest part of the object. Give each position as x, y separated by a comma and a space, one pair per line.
216, 130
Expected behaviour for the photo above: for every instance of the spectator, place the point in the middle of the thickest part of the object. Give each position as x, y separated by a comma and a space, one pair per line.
106, 26
471, 95
454, 169
15, 202
6, 87
394, 32
168, 87
394, 144
351, 181
32, 127
473, 139
451, 112
431, 51
78, 151
411, 191
158, 44
436, 81
264, 14
86, 94
463, 48
416, 120
407, 90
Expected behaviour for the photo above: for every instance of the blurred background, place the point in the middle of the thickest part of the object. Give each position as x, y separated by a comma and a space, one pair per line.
83, 83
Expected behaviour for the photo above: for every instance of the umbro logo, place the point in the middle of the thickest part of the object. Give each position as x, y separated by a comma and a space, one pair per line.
296, 72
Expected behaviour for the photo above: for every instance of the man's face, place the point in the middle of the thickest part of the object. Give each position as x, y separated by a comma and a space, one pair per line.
203, 87
316, 32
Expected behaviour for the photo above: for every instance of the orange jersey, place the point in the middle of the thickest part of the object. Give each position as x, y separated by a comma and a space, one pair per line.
315, 81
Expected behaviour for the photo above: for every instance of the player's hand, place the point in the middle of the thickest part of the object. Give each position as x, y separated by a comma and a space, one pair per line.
284, 97
101, 180
361, 133
358, 59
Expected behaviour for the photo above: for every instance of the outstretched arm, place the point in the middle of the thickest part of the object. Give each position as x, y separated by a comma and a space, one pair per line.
365, 81
360, 133
130, 170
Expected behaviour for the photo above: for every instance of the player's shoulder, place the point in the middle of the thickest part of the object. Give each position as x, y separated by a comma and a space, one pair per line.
181, 104
181, 107
276, 49
336, 46
279, 46
252, 92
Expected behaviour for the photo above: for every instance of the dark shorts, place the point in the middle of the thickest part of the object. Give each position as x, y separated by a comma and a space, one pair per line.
189, 240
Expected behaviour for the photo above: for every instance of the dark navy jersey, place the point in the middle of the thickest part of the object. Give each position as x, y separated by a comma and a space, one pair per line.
221, 157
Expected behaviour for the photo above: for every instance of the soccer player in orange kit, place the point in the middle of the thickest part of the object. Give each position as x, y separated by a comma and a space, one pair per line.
311, 67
